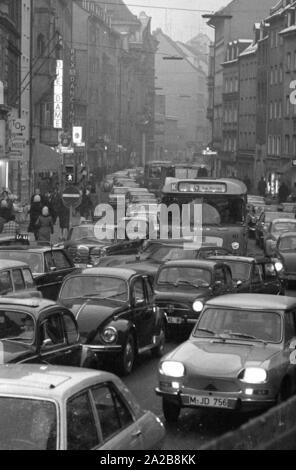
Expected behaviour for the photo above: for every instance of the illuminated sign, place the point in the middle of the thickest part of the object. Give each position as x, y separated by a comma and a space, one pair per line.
58, 96
188, 187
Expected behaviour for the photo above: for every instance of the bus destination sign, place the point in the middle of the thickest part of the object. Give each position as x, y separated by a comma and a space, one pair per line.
188, 187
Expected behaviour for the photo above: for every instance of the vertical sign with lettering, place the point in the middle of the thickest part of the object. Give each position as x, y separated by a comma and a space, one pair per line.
58, 96
72, 74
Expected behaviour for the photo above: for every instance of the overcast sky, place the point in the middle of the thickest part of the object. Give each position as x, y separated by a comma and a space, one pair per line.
180, 25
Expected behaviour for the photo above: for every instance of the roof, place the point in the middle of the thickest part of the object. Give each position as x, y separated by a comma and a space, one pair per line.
47, 382
239, 259
8, 264
254, 301
32, 304
41, 249
192, 264
124, 273
275, 221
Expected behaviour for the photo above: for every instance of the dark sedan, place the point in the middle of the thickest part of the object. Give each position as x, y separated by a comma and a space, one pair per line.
49, 266
156, 252
182, 288
40, 331
86, 249
116, 314
253, 275
284, 253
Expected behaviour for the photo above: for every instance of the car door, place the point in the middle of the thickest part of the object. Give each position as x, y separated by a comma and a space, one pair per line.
6, 285
141, 313
219, 287
228, 280
73, 356
52, 344
152, 328
47, 283
119, 429
289, 334
63, 267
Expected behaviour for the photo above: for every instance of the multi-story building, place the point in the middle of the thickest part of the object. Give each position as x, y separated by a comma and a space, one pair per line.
232, 22
246, 147
10, 66
185, 88
50, 82
231, 105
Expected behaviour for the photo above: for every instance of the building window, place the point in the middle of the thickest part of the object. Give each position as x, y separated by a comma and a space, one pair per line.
288, 63
46, 115
271, 76
269, 149
280, 113
275, 75
236, 84
287, 144
271, 110
294, 145
274, 143
294, 60
287, 105
40, 45
278, 145
281, 73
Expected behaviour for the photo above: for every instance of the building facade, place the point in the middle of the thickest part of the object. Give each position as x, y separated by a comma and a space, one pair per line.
10, 76
235, 21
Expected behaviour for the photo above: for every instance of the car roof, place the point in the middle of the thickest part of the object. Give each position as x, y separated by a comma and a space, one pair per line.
225, 258
193, 263
32, 305
288, 234
254, 302
48, 382
284, 220
124, 273
40, 249
8, 264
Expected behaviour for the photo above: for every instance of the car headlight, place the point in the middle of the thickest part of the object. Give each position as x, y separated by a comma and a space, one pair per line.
197, 306
172, 369
235, 246
253, 375
109, 335
279, 266
83, 249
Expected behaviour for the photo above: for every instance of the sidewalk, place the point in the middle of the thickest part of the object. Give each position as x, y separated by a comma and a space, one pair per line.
57, 231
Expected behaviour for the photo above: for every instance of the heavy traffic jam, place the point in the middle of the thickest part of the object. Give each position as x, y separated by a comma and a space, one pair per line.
173, 256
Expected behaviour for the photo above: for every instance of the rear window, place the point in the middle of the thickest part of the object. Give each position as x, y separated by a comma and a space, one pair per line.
16, 326
34, 260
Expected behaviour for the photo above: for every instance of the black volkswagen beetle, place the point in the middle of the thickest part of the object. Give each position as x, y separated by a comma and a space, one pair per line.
116, 314
40, 331
182, 287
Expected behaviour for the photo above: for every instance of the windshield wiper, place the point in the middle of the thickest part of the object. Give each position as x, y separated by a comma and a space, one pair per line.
205, 330
192, 284
242, 335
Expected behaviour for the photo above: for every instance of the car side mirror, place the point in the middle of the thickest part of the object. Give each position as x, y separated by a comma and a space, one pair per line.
217, 285
239, 283
270, 247
292, 344
139, 302
52, 269
47, 342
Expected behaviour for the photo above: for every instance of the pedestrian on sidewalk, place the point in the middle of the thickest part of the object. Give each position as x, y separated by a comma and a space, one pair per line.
44, 226
5, 210
35, 211
11, 227
64, 218
86, 206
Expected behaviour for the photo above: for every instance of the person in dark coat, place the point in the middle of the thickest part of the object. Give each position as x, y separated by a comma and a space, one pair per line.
262, 187
64, 217
44, 226
86, 206
283, 192
5, 210
35, 211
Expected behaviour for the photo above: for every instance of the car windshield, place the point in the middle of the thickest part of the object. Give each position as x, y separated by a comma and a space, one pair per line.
34, 260
278, 227
27, 424
166, 253
16, 326
240, 271
87, 231
271, 216
287, 244
242, 324
184, 276
96, 286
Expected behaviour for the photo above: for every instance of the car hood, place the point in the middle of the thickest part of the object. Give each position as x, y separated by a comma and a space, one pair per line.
12, 352
187, 296
93, 314
289, 260
221, 359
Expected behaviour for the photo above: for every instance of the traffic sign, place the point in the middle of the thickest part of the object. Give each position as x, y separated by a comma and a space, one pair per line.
71, 197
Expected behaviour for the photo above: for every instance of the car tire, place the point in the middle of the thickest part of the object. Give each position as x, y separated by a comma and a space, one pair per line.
285, 391
171, 411
127, 357
159, 350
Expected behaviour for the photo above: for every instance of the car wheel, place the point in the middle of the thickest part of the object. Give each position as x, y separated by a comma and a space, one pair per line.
171, 411
284, 392
127, 358
159, 350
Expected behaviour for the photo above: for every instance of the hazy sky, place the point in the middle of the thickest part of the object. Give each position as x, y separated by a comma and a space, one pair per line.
180, 25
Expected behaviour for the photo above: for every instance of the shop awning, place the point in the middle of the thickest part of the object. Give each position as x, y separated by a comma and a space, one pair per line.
45, 159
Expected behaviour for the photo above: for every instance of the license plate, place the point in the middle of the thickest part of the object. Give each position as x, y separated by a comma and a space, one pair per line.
174, 320
206, 401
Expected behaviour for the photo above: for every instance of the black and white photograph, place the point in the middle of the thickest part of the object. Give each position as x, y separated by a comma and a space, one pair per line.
148, 228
